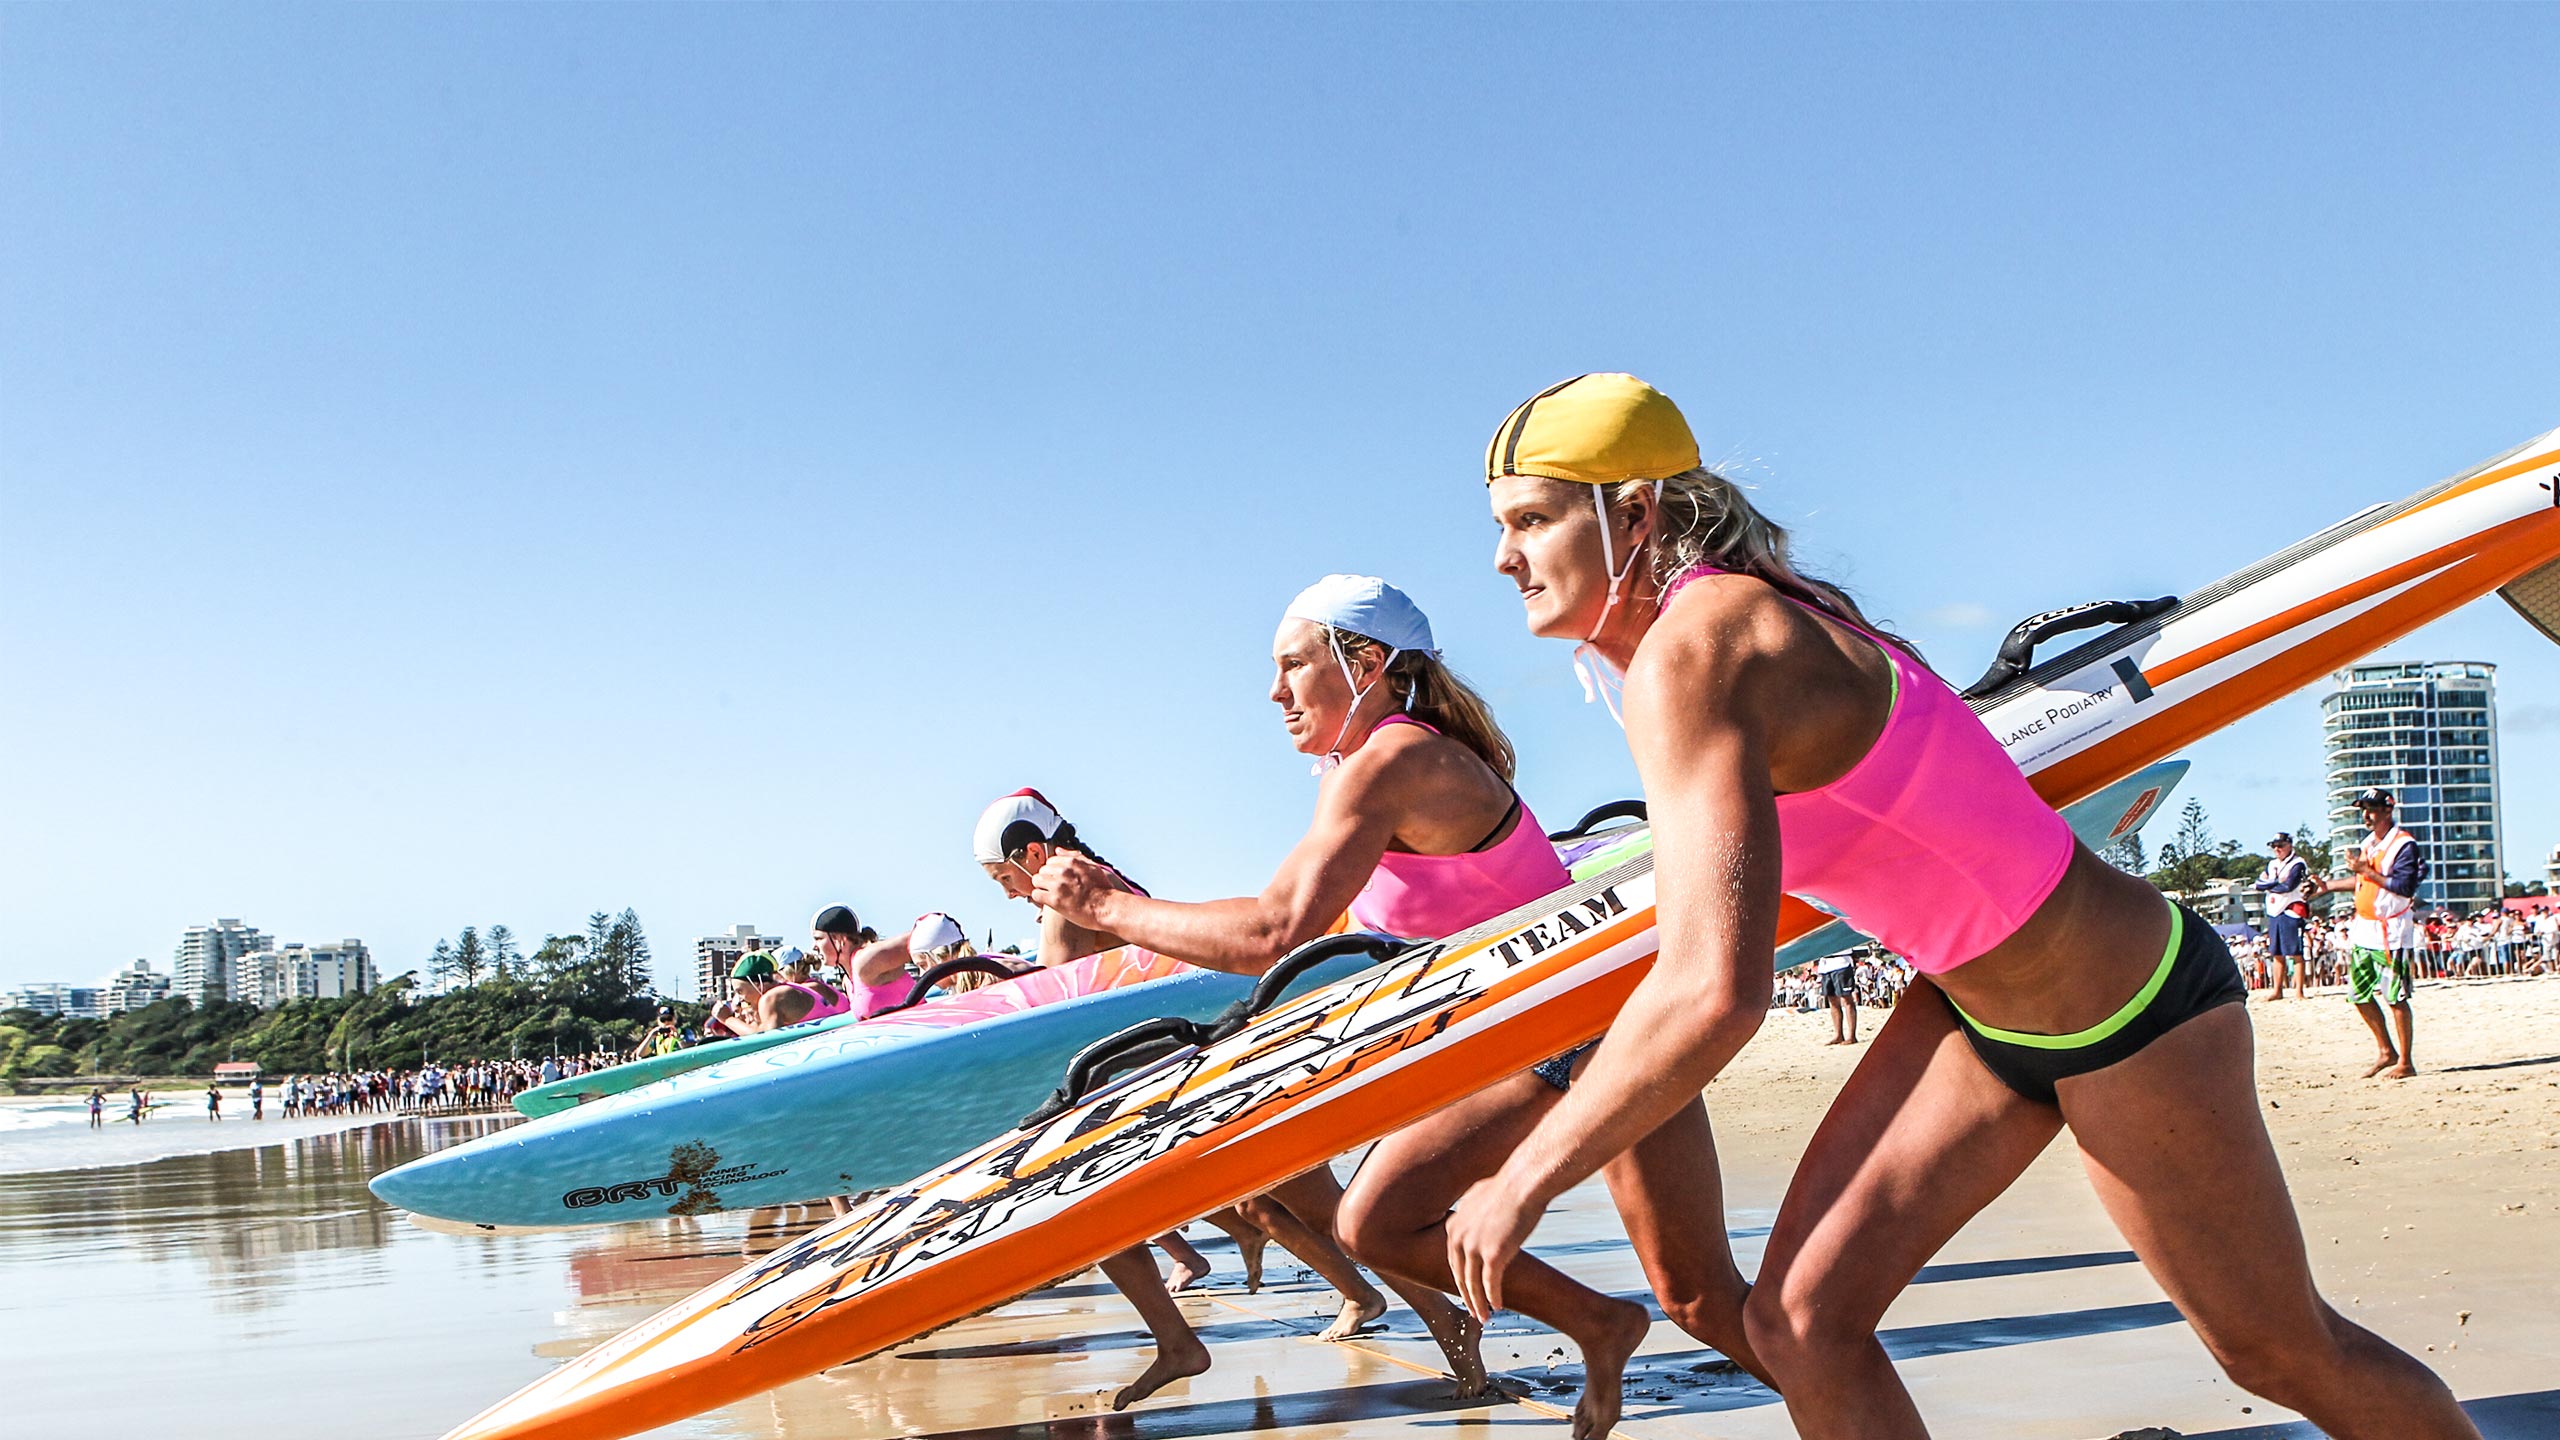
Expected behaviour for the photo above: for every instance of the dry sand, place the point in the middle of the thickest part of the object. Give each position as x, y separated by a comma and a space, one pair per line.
2432, 1207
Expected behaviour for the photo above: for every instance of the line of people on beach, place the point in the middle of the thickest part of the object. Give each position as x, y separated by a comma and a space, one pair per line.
2483, 946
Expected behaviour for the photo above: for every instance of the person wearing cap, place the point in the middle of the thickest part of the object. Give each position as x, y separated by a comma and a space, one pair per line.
2385, 870
875, 971
1015, 836
1789, 745
663, 1037
800, 968
2286, 882
1417, 832
764, 1001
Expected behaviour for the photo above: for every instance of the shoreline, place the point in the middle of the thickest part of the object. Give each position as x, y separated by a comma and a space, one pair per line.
179, 1130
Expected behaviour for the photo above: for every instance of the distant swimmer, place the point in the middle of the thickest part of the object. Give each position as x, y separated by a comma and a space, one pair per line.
1419, 832
97, 1108
213, 1101
257, 1098
1789, 745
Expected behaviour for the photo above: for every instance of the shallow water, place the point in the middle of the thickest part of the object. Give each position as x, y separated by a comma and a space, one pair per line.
264, 1294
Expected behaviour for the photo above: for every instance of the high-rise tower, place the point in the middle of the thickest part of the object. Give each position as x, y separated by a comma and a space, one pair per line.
2427, 731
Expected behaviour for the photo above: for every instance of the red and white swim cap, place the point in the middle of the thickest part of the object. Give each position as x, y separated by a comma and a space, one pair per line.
1013, 822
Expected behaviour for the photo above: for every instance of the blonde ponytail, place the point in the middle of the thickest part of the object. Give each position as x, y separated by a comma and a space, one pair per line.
1431, 692
1702, 518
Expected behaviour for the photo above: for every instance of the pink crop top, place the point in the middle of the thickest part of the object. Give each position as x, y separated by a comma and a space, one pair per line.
820, 1008
870, 1000
1429, 897
1933, 843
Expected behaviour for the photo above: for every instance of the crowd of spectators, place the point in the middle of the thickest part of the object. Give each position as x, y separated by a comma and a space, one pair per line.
430, 1089
2488, 944
1880, 980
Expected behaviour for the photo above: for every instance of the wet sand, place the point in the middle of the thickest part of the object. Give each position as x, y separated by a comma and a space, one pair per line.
264, 1293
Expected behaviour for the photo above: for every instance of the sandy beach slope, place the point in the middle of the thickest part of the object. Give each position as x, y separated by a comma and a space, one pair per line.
2431, 1205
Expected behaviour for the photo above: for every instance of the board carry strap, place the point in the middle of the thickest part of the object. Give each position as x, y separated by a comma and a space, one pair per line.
2018, 652
963, 965
1151, 1040
1600, 815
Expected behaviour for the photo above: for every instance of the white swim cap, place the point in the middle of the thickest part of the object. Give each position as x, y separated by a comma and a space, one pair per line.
1364, 605
934, 931
1013, 822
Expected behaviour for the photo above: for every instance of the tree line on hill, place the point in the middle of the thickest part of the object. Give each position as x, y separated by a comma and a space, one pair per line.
573, 994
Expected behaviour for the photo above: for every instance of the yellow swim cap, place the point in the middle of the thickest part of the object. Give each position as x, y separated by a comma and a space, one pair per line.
1594, 430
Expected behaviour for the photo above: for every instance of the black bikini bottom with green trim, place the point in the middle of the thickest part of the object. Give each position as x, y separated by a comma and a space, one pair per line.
2195, 974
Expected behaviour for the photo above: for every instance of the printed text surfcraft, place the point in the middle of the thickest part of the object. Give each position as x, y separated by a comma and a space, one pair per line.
1560, 927
2056, 714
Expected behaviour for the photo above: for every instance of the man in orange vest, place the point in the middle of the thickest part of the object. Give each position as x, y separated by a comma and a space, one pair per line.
2388, 866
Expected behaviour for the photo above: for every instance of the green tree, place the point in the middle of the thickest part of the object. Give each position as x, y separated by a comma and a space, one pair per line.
555, 960
440, 961
504, 962
2315, 848
633, 967
2127, 855
470, 957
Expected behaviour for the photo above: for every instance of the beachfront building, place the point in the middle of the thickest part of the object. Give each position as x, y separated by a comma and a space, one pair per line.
2427, 731
715, 955
307, 972
2228, 902
133, 987
76, 1002
209, 961
331, 972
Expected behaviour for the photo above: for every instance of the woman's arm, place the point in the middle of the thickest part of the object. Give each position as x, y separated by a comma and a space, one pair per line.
880, 961
1356, 817
1701, 746
1064, 942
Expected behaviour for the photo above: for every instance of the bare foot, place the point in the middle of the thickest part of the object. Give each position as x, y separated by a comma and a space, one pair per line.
1179, 1362
1357, 1315
1185, 1275
1604, 1371
2401, 1071
2378, 1066
1463, 1347
1250, 1252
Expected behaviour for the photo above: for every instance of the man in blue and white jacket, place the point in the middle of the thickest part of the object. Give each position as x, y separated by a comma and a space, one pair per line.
2287, 884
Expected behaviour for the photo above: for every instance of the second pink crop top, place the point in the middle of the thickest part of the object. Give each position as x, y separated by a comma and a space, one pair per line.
1431, 897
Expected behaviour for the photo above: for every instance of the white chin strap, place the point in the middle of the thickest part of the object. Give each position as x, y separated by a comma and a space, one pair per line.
1333, 756
1601, 680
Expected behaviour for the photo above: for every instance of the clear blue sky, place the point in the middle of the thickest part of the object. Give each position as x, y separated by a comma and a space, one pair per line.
487, 464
